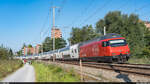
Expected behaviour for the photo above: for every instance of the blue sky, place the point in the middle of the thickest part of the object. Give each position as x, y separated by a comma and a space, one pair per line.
30, 21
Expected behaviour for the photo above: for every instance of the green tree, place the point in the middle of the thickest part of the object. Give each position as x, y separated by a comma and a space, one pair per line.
83, 34
29, 46
48, 44
147, 37
75, 36
4, 52
129, 27
19, 53
24, 45
146, 51
11, 53
60, 43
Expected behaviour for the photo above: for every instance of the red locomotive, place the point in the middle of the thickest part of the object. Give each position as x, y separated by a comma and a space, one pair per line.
108, 48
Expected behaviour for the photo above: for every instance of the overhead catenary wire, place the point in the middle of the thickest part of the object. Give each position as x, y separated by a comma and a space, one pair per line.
60, 10
41, 30
146, 16
141, 8
95, 12
136, 10
49, 12
46, 33
43, 25
83, 12
87, 8
144, 6
123, 5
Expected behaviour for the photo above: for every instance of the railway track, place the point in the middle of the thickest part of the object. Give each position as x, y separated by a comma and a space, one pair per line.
138, 69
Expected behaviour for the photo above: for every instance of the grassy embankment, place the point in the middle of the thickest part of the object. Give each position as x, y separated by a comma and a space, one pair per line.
143, 60
51, 73
8, 66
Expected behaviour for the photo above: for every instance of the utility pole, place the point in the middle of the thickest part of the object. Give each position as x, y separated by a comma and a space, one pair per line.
104, 30
53, 28
81, 72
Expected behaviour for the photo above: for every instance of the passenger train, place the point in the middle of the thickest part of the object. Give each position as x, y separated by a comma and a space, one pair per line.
108, 48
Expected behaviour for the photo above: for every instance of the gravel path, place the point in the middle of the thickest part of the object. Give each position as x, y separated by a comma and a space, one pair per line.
24, 74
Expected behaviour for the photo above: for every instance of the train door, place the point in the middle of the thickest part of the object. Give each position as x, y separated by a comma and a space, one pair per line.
71, 51
74, 51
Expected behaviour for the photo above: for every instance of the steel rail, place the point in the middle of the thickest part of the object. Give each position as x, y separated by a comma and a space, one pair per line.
118, 68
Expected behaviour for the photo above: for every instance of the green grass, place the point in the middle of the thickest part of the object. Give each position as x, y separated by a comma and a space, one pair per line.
51, 73
143, 60
8, 66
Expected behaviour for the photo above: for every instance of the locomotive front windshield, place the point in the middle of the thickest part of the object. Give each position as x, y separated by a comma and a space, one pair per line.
119, 42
